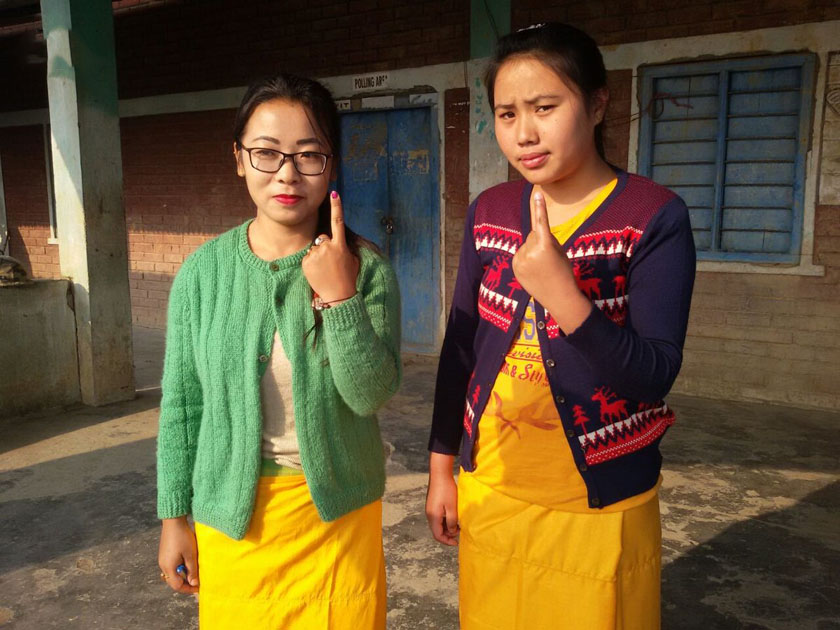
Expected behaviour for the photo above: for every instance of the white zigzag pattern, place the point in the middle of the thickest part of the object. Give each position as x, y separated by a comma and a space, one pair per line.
497, 298
470, 412
498, 243
612, 302
501, 228
614, 248
468, 421
621, 424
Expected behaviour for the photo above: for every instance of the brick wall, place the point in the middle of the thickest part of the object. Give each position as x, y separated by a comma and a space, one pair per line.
767, 337
23, 164
181, 189
617, 118
621, 21
182, 46
228, 43
457, 171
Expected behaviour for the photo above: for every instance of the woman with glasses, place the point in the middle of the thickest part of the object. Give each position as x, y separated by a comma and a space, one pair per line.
282, 342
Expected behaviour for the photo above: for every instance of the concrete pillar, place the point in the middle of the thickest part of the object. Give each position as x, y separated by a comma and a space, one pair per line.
489, 20
87, 167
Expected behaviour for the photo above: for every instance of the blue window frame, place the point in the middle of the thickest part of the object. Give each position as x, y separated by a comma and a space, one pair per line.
731, 138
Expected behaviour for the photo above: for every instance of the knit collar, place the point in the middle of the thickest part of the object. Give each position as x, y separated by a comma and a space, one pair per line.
266, 266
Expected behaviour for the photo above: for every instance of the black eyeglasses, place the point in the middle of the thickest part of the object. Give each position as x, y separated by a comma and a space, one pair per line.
271, 160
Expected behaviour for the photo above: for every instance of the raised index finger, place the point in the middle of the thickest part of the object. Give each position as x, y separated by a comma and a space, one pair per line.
539, 214
337, 218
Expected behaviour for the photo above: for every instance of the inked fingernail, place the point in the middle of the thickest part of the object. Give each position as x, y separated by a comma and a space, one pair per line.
334, 194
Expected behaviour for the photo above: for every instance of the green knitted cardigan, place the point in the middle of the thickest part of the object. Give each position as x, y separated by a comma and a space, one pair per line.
224, 308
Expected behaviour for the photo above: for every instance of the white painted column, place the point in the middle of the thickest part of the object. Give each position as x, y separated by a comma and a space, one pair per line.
488, 166
87, 167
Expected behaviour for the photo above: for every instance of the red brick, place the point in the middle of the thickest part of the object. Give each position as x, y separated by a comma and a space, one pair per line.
735, 9
584, 10
827, 220
456, 170
696, 14
601, 25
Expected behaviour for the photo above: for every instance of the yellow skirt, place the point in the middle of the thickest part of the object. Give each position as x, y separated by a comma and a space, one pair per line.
527, 566
293, 571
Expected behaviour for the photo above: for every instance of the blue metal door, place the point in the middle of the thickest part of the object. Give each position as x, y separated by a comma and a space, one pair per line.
388, 182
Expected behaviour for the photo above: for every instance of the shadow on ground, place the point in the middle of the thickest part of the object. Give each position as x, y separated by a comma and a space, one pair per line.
750, 504
30, 429
779, 570
72, 506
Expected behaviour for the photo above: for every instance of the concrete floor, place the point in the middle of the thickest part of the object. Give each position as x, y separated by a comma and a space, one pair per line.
750, 507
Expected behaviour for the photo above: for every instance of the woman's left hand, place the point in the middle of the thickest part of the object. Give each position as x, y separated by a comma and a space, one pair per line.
329, 266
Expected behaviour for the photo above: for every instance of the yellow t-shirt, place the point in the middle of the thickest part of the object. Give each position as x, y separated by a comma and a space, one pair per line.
522, 449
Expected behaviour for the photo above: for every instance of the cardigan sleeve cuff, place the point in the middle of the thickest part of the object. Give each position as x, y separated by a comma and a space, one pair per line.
436, 445
346, 315
173, 506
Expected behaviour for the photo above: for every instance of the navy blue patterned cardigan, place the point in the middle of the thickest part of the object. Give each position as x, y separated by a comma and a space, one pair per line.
635, 259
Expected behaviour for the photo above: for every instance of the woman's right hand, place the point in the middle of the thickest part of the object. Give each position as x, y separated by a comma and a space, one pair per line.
178, 546
442, 500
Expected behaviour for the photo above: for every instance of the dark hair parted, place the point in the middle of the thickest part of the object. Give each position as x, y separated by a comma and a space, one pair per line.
323, 115
569, 52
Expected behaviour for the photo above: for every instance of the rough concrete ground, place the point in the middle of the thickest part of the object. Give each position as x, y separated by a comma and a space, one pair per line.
750, 507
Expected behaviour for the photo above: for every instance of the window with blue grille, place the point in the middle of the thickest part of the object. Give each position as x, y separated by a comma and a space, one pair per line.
731, 138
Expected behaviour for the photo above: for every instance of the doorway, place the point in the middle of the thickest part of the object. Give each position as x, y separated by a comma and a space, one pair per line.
389, 187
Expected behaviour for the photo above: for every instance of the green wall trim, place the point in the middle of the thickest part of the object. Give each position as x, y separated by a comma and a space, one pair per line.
489, 20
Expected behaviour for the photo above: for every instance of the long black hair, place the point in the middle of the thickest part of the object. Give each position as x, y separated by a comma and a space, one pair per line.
323, 115
569, 52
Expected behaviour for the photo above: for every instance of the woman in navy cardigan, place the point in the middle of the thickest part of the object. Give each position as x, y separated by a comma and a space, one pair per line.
566, 332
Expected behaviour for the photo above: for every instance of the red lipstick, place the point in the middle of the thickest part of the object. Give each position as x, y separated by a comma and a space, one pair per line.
287, 200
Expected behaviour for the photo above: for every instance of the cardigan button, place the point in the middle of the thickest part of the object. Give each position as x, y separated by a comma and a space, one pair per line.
541, 325
582, 468
570, 433
263, 358
595, 501
560, 399
274, 267
550, 363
